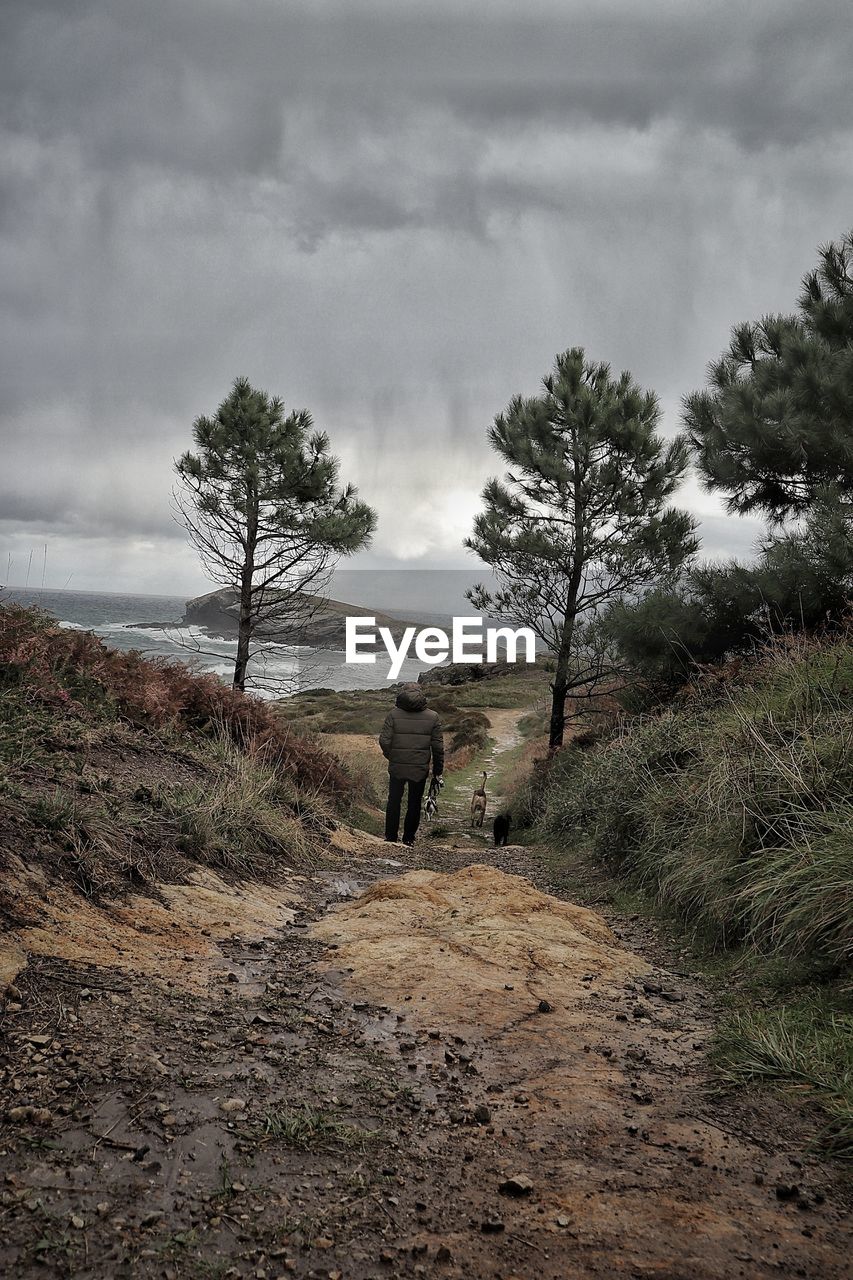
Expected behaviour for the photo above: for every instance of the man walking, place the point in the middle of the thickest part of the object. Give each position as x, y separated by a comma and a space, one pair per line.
410, 736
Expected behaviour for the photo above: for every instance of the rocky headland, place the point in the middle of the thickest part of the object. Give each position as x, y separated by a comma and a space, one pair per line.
312, 621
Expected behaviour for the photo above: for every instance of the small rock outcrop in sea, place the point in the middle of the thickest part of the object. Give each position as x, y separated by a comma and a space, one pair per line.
309, 620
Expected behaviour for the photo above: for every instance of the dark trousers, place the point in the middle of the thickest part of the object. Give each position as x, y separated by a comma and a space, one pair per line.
413, 808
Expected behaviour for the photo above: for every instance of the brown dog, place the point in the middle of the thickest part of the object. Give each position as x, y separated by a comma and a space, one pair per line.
478, 804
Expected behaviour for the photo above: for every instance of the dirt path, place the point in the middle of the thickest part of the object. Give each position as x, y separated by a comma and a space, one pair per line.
455, 802
430, 1069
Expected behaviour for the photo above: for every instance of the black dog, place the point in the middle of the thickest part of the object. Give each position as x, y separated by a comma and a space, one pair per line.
501, 828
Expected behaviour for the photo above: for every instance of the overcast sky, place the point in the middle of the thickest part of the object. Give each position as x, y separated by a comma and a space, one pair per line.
393, 212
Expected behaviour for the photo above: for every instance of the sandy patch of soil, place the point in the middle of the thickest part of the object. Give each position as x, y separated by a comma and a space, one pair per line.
174, 940
348, 840
479, 945
13, 957
503, 727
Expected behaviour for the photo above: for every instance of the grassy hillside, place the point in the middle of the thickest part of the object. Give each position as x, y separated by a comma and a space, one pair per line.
117, 772
733, 811
363, 711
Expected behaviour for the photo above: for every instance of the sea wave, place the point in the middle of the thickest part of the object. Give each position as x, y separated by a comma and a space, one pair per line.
194, 638
277, 669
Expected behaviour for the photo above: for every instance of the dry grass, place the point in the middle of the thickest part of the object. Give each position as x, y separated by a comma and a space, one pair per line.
807, 1049
245, 819
364, 763
73, 673
119, 776
311, 1128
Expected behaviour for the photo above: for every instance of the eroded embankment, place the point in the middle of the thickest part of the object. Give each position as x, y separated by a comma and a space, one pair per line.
169, 934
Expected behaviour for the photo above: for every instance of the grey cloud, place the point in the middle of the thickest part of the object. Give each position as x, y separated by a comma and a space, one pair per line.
92, 510
762, 73
725, 536
392, 213
201, 88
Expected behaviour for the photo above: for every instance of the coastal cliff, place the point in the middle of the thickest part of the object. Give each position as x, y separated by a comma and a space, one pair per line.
321, 624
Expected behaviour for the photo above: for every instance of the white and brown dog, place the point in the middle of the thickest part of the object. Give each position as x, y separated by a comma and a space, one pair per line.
478, 804
432, 797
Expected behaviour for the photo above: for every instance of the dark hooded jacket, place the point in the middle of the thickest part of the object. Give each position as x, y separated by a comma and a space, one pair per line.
410, 735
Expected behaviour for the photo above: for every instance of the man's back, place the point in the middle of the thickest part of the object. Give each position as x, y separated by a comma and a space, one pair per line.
411, 736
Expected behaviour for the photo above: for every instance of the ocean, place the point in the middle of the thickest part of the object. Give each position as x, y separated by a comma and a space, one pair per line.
283, 670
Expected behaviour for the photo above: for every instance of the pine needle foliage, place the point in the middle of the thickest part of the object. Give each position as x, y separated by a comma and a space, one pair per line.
582, 516
774, 426
261, 501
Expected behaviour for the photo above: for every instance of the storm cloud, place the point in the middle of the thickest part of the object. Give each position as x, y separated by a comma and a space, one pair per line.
393, 213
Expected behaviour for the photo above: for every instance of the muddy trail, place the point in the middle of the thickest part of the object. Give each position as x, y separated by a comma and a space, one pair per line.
405, 1063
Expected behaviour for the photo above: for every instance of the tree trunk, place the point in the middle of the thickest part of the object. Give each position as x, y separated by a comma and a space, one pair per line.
559, 689
560, 685
246, 626
244, 633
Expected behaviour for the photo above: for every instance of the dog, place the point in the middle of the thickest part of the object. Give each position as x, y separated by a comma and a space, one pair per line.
478, 804
432, 797
500, 828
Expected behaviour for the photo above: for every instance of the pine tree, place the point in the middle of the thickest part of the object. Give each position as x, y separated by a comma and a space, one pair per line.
801, 580
263, 507
775, 427
582, 516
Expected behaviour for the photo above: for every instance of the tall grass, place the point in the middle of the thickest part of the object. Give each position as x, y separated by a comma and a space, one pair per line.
364, 764
806, 1049
245, 818
734, 808
247, 795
